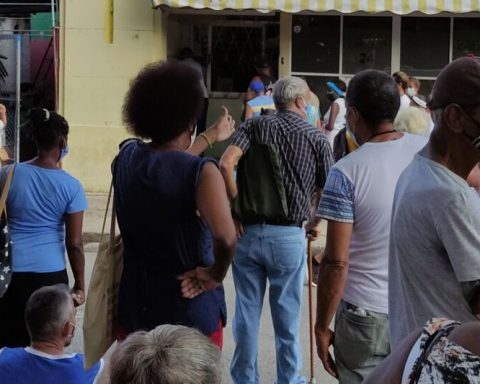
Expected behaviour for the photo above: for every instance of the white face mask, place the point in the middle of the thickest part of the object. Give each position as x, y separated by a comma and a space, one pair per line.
411, 91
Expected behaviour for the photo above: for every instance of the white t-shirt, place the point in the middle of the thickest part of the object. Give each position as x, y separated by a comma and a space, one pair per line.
359, 190
435, 246
404, 102
339, 120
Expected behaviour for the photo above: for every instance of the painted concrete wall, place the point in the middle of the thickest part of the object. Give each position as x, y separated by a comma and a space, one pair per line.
94, 77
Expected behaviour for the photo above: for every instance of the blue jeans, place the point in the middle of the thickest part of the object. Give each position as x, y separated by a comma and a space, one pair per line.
276, 253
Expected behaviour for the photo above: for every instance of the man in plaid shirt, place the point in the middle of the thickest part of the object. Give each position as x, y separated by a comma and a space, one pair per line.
276, 252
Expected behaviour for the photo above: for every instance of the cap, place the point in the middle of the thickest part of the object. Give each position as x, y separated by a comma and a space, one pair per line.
457, 83
335, 89
257, 86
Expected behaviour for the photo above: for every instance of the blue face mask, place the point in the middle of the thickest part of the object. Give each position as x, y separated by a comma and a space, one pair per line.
64, 151
311, 115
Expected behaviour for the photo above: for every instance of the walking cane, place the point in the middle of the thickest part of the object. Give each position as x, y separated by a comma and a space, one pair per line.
310, 310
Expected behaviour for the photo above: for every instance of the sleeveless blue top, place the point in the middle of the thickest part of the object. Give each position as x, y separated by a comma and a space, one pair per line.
163, 237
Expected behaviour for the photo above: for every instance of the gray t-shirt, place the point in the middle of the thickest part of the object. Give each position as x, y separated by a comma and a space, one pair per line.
434, 246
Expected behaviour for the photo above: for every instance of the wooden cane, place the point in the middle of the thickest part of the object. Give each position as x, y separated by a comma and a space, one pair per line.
310, 310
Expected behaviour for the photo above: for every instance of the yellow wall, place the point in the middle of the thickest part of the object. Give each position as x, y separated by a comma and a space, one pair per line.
95, 76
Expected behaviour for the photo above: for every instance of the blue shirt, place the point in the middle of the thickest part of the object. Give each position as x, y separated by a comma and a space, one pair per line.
29, 366
37, 202
163, 237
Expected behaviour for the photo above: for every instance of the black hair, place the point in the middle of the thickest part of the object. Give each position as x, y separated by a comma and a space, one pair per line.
341, 84
163, 101
48, 127
375, 96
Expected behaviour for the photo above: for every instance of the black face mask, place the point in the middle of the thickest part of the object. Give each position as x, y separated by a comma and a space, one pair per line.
332, 96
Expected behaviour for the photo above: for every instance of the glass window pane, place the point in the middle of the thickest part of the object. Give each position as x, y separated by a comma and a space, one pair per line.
425, 45
234, 50
466, 34
367, 43
315, 44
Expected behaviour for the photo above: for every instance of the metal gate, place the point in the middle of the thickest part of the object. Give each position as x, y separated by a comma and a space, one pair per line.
10, 72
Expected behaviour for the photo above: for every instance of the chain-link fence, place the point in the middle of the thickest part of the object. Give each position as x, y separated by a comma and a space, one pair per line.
10, 44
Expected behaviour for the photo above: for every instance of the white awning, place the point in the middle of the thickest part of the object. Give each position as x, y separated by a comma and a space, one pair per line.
343, 6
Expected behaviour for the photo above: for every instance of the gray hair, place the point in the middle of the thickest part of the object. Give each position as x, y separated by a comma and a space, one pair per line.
287, 89
413, 120
169, 354
47, 311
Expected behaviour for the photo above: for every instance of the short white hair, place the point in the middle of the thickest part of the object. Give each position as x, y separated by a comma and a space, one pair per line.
287, 89
168, 354
413, 120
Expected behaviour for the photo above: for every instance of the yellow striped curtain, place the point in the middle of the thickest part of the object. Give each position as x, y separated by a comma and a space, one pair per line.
344, 6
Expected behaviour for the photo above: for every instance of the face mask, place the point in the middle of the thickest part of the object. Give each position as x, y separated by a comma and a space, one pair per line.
411, 91
64, 151
475, 141
311, 115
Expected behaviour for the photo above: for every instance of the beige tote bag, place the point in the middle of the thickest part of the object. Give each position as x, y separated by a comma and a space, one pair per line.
102, 299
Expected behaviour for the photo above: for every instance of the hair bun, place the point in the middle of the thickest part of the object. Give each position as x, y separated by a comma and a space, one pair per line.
39, 115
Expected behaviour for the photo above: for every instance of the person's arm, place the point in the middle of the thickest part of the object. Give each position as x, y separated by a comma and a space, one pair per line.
76, 256
3, 115
334, 109
248, 112
214, 209
333, 275
312, 227
228, 162
390, 370
220, 131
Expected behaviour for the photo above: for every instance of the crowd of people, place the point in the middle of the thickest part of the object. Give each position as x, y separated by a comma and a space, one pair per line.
394, 177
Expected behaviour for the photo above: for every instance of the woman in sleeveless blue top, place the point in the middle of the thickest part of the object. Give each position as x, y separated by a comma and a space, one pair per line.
172, 208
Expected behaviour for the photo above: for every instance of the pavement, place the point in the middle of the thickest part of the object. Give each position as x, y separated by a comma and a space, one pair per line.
92, 226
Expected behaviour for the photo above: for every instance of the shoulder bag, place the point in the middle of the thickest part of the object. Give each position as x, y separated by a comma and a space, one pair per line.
5, 241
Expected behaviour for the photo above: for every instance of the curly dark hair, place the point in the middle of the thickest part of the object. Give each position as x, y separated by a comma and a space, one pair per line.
47, 128
163, 101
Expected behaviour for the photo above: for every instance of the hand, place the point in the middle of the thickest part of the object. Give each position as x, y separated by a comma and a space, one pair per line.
223, 127
239, 228
312, 229
3, 114
324, 340
197, 281
78, 296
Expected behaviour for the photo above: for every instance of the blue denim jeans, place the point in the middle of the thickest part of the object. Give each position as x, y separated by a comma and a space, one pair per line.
277, 254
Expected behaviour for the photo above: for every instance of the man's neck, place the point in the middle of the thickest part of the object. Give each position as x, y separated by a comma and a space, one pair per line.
54, 347
454, 157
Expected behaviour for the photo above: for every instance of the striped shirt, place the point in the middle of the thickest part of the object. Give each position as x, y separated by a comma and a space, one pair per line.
305, 157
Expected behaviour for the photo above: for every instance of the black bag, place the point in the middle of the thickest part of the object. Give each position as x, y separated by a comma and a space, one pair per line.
5, 242
261, 194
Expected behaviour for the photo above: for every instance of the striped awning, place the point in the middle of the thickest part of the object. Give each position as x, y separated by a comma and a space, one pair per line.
344, 6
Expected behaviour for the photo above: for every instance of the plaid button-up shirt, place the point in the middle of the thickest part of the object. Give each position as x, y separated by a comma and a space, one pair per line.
305, 157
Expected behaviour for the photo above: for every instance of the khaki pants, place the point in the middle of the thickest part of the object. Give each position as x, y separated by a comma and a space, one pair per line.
361, 342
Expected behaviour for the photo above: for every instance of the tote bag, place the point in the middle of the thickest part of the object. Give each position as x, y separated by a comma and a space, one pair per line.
102, 299
5, 241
